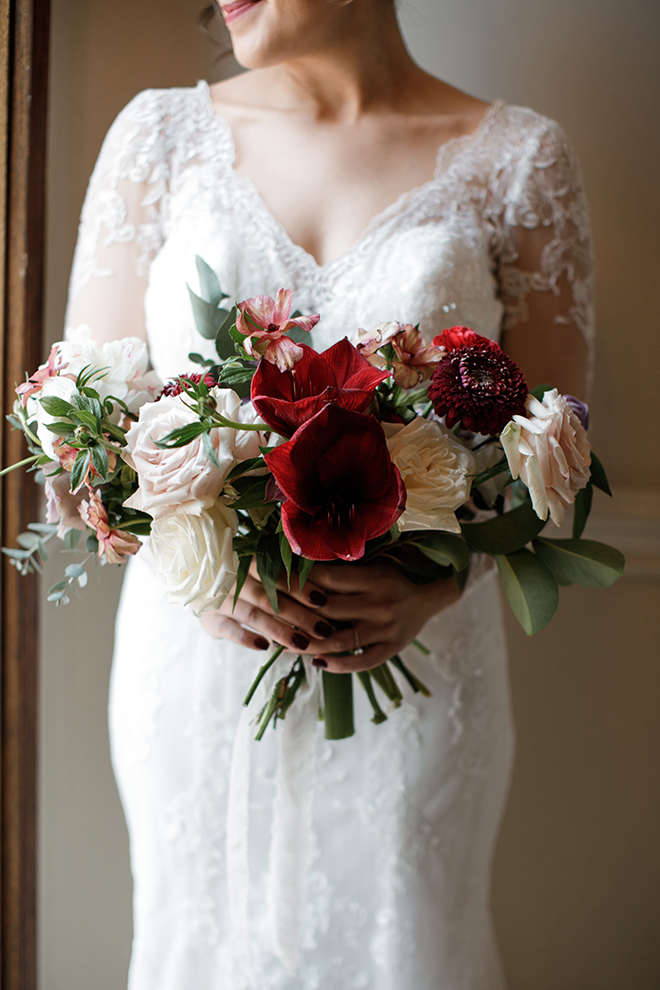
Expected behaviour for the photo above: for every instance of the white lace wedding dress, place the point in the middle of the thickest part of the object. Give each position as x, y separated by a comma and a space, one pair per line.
404, 814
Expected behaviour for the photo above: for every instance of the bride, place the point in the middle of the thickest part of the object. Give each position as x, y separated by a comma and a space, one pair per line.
338, 168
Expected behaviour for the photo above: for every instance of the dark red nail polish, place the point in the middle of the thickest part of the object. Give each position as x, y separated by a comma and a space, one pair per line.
323, 629
317, 598
302, 642
320, 662
261, 643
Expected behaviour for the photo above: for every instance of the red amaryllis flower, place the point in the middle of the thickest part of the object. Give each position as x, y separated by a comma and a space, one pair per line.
265, 321
340, 485
476, 383
287, 399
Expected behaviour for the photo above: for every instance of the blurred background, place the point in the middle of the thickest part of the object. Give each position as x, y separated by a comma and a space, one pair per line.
577, 870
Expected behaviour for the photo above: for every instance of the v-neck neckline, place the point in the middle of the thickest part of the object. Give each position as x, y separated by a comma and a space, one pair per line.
461, 143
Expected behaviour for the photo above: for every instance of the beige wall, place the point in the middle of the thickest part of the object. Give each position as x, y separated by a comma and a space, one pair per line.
577, 871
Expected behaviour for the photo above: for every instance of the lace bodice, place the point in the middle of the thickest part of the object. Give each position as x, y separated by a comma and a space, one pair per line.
504, 216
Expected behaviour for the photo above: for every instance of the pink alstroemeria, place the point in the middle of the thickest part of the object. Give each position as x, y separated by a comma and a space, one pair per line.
265, 321
114, 544
416, 359
35, 382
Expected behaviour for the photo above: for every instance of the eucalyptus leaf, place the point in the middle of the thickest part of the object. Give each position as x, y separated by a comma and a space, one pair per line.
584, 562
530, 587
74, 571
209, 283
224, 342
198, 359
210, 452
208, 318
300, 336
504, 534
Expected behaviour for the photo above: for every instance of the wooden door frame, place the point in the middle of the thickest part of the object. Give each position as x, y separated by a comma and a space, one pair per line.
24, 30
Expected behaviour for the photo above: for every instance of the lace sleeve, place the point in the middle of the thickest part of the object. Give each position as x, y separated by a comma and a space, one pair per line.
121, 224
545, 260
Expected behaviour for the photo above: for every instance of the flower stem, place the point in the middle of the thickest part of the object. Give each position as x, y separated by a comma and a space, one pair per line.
385, 681
420, 646
338, 705
232, 425
262, 671
365, 681
414, 682
28, 460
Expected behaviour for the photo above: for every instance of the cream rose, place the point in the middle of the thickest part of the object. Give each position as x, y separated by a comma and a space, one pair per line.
435, 468
194, 556
122, 365
183, 478
550, 452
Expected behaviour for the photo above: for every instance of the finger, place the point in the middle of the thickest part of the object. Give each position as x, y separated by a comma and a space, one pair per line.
222, 627
271, 627
373, 655
344, 579
310, 595
290, 611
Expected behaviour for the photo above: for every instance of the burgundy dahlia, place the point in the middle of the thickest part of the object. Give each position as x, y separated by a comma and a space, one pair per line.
476, 384
287, 399
340, 486
176, 386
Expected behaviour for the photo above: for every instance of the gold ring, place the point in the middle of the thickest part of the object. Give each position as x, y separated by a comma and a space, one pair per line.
358, 651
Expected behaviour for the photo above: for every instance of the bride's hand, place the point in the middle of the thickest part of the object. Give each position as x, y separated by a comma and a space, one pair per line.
385, 609
298, 625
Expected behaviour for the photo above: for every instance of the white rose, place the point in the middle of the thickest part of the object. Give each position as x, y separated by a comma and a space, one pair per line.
195, 557
550, 452
60, 388
122, 366
183, 478
435, 468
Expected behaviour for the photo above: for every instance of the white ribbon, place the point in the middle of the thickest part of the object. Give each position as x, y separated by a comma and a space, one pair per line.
291, 830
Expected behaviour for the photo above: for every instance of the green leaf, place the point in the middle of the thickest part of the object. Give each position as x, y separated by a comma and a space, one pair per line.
338, 705
181, 436
598, 476
55, 406
581, 510
252, 493
61, 429
208, 318
50, 528
244, 466
304, 567
84, 418
286, 554
300, 336
241, 575
235, 374
100, 461
29, 541
209, 282
445, 549
74, 571
224, 343
585, 562
379, 715
269, 565
79, 470
530, 587
506, 533
237, 336
209, 450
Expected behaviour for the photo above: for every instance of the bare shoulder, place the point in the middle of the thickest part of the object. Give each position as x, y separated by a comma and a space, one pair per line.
243, 92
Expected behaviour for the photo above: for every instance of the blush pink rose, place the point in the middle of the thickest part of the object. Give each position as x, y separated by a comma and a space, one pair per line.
183, 478
549, 451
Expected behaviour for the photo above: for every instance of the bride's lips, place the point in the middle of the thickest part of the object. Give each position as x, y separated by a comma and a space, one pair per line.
232, 11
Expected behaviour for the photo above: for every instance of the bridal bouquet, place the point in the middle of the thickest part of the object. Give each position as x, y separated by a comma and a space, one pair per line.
425, 454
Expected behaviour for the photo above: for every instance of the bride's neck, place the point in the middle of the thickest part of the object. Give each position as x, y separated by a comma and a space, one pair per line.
348, 77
